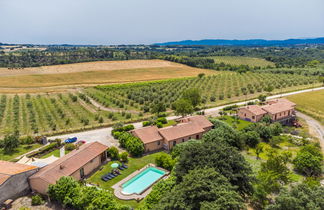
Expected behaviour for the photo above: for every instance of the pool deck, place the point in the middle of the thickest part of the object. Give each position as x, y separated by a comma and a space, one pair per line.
118, 186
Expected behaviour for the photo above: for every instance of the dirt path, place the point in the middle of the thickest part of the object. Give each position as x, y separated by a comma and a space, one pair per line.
314, 127
101, 107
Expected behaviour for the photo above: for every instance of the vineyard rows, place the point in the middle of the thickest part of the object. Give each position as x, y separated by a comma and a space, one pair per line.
215, 89
47, 114
57, 113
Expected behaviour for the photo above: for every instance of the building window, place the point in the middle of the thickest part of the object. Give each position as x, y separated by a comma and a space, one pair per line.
182, 140
158, 143
253, 117
244, 115
189, 137
197, 137
174, 143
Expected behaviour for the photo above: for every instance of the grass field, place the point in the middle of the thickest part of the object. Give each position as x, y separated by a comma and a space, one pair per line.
239, 124
85, 74
311, 103
240, 60
133, 165
22, 149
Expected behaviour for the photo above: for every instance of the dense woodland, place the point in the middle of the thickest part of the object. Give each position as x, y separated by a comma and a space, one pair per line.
302, 56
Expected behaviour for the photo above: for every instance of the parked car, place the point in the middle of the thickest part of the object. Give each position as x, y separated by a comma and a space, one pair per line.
71, 140
80, 142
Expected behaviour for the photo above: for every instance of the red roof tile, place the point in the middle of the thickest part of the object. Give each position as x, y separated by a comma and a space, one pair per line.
180, 131
255, 109
8, 169
147, 134
70, 163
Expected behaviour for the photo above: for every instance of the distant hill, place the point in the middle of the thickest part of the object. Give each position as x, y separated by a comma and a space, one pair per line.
249, 42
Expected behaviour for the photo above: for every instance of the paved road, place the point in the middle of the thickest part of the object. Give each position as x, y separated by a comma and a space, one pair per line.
315, 127
103, 135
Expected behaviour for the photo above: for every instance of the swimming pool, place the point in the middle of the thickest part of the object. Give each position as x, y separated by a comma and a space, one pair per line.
142, 181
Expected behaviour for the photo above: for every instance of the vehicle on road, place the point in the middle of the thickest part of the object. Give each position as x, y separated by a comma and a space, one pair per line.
71, 140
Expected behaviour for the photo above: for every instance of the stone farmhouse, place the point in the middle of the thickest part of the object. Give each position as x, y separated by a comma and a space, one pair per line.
14, 179
279, 110
155, 138
78, 164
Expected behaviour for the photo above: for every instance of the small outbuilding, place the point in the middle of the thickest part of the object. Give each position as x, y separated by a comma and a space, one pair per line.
78, 164
14, 179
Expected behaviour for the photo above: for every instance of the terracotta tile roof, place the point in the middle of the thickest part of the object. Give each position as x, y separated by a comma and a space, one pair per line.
70, 163
180, 131
281, 100
255, 109
277, 108
198, 119
8, 169
3, 178
147, 134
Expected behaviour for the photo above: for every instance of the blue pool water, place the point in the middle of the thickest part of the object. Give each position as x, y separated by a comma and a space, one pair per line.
142, 181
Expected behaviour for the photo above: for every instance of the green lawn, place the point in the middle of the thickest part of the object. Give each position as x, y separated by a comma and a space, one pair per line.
56, 153
133, 165
22, 149
239, 124
170, 122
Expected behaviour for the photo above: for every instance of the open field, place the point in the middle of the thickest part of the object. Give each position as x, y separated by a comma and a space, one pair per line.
240, 60
93, 73
311, 103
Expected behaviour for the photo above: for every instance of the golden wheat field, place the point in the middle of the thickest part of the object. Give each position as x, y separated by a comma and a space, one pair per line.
93, 73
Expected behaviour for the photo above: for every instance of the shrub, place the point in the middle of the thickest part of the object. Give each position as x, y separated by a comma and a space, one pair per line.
69, 147
146, 123
26, 140
124, 156
162, 120
165, 161
159, 124
309, 161
37, 200
113, 153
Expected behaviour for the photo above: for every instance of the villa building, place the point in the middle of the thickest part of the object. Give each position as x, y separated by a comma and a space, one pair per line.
279, 110
14, 179
78, 164
155, 138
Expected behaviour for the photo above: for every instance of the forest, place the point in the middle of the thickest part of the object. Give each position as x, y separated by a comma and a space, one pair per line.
197, 56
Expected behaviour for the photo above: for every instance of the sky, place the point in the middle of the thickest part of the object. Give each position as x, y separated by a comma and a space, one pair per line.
109, 22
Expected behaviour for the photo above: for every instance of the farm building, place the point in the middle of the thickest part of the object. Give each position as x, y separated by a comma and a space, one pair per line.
77, 164
14, 179
154, 138
279, 110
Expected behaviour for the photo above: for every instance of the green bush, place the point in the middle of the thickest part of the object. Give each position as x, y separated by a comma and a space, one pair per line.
124, 156
26, 140
132, 144
37, 200
113, 153
69, 147
165, 161
146, 123
159, 124
71, 194
163, 120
